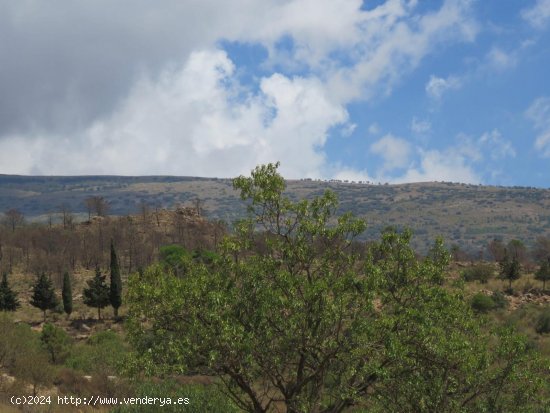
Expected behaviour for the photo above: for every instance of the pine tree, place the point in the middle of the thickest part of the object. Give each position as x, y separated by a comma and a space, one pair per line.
115, 296
43, 295
67, 294
8, 297
543, 273
97, 293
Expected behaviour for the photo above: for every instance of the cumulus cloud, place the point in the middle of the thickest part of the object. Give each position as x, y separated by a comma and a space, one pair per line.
132, 88
393, 150
539, 114
538, 15
450, 165
194, 119
468, 160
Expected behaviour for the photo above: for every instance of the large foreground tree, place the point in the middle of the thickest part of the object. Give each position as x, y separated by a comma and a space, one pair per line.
294, 315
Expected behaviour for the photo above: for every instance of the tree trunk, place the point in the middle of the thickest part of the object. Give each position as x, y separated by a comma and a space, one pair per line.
115, 309
44, 315
98, 313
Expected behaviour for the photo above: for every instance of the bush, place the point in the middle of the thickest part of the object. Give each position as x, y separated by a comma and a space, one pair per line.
482, 303
499, 299
543, 322
103, 352
478, 272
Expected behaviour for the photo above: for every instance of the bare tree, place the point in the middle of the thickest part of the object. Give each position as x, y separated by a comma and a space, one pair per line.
67, 216
97, 205
14, 218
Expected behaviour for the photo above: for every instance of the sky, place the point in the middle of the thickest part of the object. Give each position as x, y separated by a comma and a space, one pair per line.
381, 91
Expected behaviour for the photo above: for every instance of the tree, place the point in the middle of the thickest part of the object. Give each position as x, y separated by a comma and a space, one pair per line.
97, 205
543, 273
517, 249
496, 249
290, 316
8, 297
115, 295
56, 342
67, 294
509, 268
14, 218
97, 293
43, 295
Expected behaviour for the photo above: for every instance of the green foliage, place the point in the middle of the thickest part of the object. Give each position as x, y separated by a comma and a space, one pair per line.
43, 294
97, 293
175, 258
543, 322
115, 295
102, 352
292, 314
478, 272
482, 303
509, 269
543, 273
499, 299
67, 294
202, 399
8, 297
56, 342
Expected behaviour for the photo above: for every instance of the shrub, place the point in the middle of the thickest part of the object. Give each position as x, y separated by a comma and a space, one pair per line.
482, 303
499, 299
478, 272
543, 322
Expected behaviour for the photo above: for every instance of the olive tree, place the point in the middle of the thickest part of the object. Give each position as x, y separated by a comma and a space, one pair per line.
291, 314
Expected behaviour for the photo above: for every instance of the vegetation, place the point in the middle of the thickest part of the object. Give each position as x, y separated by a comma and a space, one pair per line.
67, 294
543, 273
115, 290
292, 315
43, 295
509, 269
482, 272
543, 322
97, 293
8, 298
56, 342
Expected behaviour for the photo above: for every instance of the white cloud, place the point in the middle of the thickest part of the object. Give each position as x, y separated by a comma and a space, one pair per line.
539, 114
537, 15
501, 60
498, 147
374, 129
394, 151
196, 118
450, 165
420, 126
193, 122
437, 86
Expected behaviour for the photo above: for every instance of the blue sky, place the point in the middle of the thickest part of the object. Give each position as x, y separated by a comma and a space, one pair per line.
384, 91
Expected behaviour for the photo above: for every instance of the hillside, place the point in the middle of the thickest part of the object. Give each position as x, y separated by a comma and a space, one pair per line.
467, 215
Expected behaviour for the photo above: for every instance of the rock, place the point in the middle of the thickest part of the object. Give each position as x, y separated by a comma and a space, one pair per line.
85, 327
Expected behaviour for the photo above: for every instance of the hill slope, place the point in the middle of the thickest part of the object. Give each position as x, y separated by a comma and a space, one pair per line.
467, 215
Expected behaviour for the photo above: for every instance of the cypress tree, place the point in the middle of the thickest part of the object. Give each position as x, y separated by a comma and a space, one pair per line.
97, 293
43, 295
8, 297
115, 296
67, 294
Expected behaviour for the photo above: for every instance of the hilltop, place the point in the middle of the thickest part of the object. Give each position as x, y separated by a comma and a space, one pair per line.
466, 215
